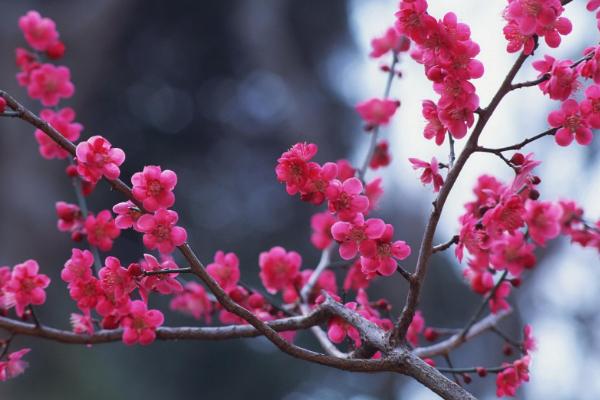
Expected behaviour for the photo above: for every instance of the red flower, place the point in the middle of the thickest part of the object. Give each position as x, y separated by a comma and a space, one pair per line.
139, 326
27, 286
160, 231
96, 158
154, 187
101, 230
377, 111
279, 270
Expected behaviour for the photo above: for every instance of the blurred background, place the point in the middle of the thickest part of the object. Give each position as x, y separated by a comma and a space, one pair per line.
217, 91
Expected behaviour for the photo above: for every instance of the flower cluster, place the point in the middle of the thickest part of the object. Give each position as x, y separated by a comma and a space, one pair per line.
448, 54
574, 120
502, 228
527, 18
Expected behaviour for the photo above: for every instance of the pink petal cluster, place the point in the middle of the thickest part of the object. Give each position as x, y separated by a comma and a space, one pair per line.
345, 198
509, 380
571, 123
528, 18
70, 219
381, 155
193, 300
160, 283
562, 81
62, 121
321, 224
160, 231
154, 187
416, 327
448, 54
139, 326
2, 105
225, 269
430, 174
389, 41
101, 230
377, 111
49, 83
14, 365
39, 32
279, 271
379, 256
590, 68
97, 158
353, 235
303, 176
26, 286
127, 215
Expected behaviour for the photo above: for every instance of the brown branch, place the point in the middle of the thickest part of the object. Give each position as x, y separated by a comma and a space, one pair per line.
168, 271
196, 265
425, 250
518, 146
445, 246
483, 304
458, 339
373, 143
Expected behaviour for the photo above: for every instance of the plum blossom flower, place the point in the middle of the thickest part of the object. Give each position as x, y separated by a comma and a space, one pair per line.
2, 105
139, 326
498, 301
82, 323
345, 198
571, 124
430, 172
562, 81
355, 278
161, 283
373, 191
529, 342
351, 235
379, 256
193, 301
160, 231
115, 280
154, 187
590, 107
279, 270
389, 41
62, 121
49, 84
321, 225
377, 111
381, 156
127, 215
78, 267
590, 68
70, 218
225, 269
27, 286
435, 129
39, 32
509, 380
415, 328
543, 220
512, 252
96, 158
294, 165
101, 230
14, 366
338, 329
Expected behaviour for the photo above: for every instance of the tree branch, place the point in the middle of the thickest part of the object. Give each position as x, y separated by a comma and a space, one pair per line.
445, 246
458, 339
518, 146
425, 249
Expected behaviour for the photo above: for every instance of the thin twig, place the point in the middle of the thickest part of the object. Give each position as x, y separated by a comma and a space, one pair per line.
472, 370
169, 271
452, 155
518, 146
363, 170
483, 304
445, 246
